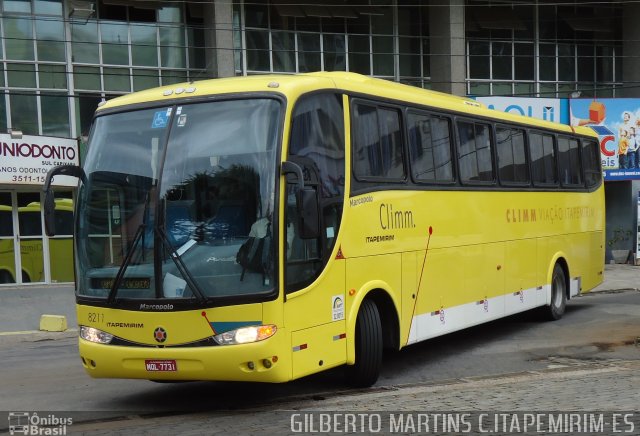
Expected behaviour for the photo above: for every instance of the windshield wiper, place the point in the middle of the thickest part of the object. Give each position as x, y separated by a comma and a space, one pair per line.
125, 263
175, 256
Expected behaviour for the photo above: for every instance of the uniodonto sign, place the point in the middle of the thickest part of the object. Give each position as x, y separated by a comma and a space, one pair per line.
27, 160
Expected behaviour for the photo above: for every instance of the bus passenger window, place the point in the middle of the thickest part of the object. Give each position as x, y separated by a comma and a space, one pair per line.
543, 160
512, 161
591, 162
430, 148
377, 143
569, 161
474, 152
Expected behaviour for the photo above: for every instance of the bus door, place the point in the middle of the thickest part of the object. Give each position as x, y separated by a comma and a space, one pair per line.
30, 236
314, 274
8, 258
21, 255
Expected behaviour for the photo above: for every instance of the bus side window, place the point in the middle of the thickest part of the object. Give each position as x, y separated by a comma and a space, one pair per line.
64, 222
430, 148
591, 162
377, 143
474, 152
512, 157
569, 161
543, 159
317, 145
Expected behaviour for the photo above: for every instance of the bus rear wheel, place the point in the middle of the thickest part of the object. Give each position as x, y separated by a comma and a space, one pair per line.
556, 308
368, 337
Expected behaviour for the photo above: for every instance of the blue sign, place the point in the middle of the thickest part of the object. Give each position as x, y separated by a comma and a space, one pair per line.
160, 119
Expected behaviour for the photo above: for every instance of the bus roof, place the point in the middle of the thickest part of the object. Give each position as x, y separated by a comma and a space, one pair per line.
297, 84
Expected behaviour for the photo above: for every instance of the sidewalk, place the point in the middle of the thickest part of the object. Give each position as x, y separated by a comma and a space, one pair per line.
21, 307
619, 277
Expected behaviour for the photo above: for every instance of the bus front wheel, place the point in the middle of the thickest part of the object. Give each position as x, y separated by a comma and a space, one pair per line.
368, 342
5, 277
555, 310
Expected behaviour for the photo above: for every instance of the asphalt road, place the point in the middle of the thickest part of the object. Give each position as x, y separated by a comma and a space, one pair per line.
42, 372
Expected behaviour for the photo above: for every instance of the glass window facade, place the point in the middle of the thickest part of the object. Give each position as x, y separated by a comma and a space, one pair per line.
57, 66
368, 37
516, 48
543, 49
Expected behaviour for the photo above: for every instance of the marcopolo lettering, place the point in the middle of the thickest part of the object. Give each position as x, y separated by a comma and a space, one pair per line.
16, 149
144, 306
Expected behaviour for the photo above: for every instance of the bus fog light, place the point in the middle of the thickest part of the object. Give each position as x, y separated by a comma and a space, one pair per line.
94, 335
266, 363
246, 335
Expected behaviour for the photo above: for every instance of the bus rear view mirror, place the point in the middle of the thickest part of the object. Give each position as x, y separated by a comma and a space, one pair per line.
49, 213
49, 198
307, 205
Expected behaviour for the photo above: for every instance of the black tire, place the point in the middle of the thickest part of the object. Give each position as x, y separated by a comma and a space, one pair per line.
368, 337
556, 308
5, 277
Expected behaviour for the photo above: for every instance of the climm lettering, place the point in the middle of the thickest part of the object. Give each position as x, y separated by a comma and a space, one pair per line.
395, 219
16, 149
521, 215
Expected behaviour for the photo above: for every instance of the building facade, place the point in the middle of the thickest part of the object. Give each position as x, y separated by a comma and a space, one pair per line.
60, 58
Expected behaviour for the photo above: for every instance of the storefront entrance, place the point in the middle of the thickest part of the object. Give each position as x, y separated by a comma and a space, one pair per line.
26, 255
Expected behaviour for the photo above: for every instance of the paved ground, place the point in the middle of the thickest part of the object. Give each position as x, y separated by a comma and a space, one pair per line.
603, 394
21, 307
572, 387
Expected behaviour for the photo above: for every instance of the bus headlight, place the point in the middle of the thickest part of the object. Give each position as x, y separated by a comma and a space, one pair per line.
246, 335
94, 335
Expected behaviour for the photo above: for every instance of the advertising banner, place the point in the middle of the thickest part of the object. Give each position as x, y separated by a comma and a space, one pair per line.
617, 123
547, 109
27, 160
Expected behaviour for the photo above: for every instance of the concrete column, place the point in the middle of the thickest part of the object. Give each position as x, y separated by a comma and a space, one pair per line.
218, 37
630, 50
447, 41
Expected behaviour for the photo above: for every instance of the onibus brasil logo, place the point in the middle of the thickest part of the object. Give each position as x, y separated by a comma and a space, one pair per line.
27, 423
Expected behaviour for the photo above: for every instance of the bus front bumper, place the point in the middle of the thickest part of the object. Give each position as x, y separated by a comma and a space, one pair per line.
263, 361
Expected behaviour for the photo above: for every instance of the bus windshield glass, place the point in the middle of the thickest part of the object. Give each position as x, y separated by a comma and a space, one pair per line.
178, 202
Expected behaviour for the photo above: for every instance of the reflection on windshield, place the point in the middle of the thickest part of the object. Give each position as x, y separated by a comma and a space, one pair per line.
199, 209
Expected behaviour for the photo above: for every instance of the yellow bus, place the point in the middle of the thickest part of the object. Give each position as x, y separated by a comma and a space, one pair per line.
31, 255
7, 256
266, 228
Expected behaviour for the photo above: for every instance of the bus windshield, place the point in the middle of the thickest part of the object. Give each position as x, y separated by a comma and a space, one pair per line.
178, 202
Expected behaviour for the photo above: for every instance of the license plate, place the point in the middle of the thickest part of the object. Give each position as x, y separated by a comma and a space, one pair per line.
160, 365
